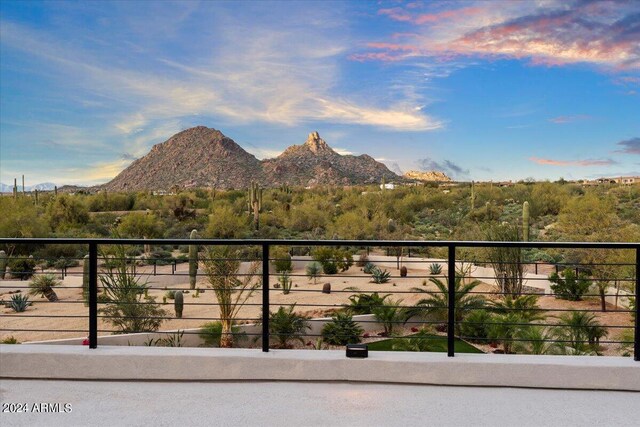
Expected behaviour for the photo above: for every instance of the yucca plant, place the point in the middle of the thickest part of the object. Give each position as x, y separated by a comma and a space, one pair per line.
43, 286
19, 302
314, 270
380, 276
341, 330
435, 269
286, 325
232, 290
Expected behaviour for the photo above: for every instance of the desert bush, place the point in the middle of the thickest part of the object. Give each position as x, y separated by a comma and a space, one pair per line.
22, 268
313, 270
567, 286
281, 260
333, 259
341, 330
363, 259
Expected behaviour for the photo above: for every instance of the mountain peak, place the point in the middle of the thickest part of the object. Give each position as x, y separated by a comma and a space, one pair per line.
316, 144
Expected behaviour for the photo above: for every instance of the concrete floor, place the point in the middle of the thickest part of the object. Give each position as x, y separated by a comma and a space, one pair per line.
311, 404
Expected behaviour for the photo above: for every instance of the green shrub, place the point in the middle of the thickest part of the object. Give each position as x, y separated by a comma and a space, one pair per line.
211, 332
341, 330
10, 340
19, 302
282, 260
568, 286
333, 259
22, 268
476, 325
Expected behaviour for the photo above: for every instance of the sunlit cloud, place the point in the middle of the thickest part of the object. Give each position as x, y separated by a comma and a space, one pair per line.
581, 163
548, 33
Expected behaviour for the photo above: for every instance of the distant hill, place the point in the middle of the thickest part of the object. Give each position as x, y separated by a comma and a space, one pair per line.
204, 157
427, 176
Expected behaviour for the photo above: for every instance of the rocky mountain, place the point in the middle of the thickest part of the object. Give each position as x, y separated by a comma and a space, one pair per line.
427, 176
315, 163
196, 157
203, 157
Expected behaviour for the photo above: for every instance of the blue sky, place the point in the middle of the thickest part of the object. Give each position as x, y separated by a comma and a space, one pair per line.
481, 90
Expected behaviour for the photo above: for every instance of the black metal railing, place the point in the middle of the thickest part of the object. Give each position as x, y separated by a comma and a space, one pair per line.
262, 249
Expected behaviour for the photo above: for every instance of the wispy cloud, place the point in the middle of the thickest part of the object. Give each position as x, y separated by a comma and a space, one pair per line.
559, 120
263, 75
581, 163
629, 146
550, 33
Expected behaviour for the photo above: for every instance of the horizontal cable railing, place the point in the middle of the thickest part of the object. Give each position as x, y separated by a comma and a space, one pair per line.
408, 303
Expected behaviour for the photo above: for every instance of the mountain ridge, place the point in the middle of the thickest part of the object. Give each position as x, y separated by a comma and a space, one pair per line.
205, 157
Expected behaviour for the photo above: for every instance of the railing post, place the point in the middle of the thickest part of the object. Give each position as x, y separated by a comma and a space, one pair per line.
93, 295
265, 297
451, 289
636, 331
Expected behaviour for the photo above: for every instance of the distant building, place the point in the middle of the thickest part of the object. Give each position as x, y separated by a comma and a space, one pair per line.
628, 180
389, 186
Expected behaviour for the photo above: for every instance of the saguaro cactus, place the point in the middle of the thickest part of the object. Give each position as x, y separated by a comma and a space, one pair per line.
15, 188
3, 264
525, 221
178, 304
193, 260
255, 203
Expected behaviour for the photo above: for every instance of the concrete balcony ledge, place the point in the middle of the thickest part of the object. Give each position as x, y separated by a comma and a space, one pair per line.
212, 364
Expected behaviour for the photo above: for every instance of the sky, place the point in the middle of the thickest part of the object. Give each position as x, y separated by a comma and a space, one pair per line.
481, 90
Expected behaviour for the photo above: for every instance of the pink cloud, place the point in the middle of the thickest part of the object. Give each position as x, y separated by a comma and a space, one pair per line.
591, 162
553, 34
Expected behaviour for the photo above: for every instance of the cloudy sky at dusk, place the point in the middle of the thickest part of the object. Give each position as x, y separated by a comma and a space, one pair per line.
478, 89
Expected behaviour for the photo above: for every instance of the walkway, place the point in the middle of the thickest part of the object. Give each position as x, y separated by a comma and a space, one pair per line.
111, 404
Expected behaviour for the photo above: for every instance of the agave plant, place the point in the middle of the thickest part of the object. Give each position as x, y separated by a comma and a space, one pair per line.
368, 268
437, 303
380, 276
19, 302
43, 286
435, 269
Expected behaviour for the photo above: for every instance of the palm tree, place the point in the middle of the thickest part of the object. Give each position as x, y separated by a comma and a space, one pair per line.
286, 325
389, 315
580, 333
536, 340
512, 319
43, 286
437, 303
222, 267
